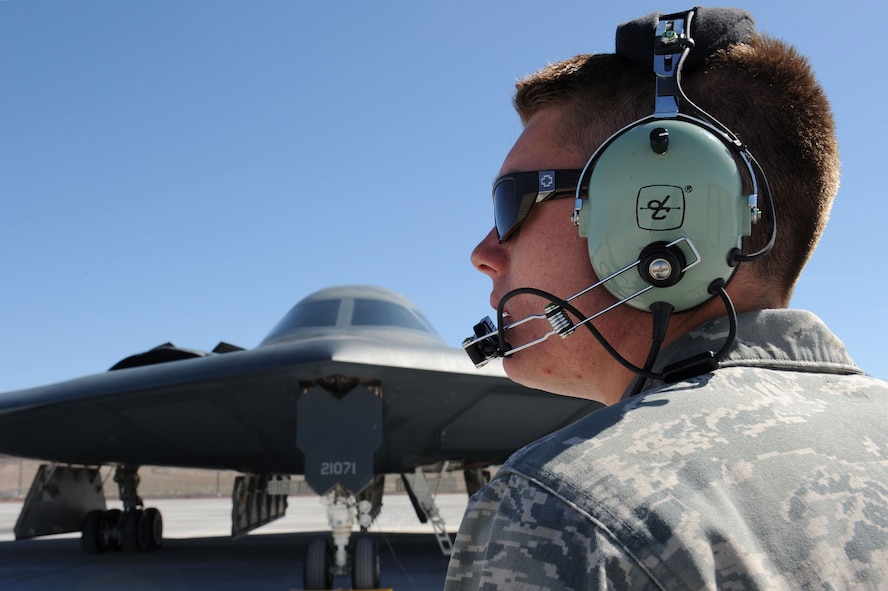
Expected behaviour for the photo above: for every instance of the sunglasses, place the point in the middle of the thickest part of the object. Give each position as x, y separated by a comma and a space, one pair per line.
514, 195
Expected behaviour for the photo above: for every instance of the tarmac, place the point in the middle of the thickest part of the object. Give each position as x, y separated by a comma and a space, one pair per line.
199, 553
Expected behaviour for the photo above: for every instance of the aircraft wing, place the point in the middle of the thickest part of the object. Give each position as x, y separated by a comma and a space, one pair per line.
239, 410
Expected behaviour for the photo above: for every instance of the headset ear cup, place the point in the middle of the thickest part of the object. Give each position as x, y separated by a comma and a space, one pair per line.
657, 182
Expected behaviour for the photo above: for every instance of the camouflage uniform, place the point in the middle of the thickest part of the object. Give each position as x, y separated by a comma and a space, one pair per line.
769, 473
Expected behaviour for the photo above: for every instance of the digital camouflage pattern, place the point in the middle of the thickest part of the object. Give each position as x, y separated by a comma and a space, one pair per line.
769, 473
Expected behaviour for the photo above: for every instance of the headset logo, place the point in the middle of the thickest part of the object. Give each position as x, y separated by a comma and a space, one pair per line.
660, 207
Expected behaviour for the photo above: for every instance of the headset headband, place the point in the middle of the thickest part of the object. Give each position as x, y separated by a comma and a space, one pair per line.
714, 29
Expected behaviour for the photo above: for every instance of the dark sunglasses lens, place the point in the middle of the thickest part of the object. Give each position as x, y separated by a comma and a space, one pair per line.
505, 207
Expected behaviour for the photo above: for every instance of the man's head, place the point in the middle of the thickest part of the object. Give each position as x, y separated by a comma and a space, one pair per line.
762, 90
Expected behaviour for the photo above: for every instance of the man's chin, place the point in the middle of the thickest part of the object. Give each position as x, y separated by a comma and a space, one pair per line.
533, 375
517, 371
521, 371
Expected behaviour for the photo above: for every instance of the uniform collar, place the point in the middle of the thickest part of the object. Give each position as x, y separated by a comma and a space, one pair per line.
793, 340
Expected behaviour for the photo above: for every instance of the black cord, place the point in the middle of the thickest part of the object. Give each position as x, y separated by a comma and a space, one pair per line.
684, 369
718, 287
737, 257
661, 311
504, 346
707, 361
754, 168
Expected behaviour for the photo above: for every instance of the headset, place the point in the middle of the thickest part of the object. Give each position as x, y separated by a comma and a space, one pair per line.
669, 200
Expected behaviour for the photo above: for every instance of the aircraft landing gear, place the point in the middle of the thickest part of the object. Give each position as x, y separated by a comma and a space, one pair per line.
65, 498
327, 558
135, 529
319, 567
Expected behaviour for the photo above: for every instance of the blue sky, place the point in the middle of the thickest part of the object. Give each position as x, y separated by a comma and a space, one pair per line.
186, 170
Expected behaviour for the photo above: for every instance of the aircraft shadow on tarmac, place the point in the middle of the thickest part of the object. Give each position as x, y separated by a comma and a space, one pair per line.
267, 562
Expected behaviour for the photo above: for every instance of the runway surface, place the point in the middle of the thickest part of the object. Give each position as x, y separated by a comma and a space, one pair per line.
198, 552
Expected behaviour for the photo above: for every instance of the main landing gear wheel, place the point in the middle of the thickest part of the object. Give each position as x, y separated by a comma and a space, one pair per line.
319, 565
96, 532
135, 533
155, 526
365, 564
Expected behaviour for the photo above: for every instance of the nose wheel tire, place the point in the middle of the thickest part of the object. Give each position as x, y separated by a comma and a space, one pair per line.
365, 564
319, 565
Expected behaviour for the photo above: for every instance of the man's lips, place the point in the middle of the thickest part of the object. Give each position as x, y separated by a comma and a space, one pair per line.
494, 303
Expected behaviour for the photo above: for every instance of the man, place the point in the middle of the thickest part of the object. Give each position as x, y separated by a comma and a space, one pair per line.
749, 452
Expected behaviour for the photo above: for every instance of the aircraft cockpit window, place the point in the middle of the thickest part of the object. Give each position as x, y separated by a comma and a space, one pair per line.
317, 314
313, 314
381, 313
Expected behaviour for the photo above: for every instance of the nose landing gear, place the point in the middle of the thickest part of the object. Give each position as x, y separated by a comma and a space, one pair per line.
327, 558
